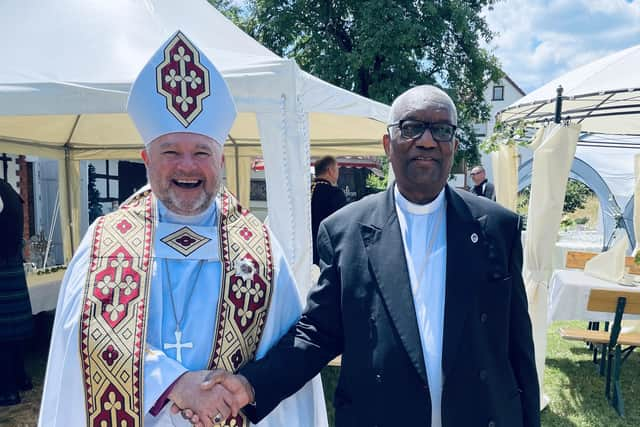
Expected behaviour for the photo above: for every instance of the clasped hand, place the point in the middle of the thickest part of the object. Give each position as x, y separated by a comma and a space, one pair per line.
207, 398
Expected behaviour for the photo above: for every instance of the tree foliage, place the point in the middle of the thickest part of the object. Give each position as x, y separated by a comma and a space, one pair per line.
230, 9
575, 197
380, 48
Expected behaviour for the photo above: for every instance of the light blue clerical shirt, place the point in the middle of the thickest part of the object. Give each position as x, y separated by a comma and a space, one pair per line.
424, 237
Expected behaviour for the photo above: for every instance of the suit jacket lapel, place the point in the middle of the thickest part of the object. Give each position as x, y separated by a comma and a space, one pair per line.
383, 242
465, 255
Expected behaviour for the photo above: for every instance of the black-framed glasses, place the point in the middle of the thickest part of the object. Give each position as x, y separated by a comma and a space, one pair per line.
413, 129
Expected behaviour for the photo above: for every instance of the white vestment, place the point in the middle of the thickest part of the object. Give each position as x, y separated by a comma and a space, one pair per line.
424, 236
63, 399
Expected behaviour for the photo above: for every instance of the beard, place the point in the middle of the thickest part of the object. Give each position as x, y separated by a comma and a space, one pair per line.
186, 204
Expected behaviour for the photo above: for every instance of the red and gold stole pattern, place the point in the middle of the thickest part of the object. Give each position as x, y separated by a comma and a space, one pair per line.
247, 282
113, 322
114, 309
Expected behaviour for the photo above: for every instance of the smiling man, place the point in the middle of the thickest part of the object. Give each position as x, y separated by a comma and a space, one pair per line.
421, 293
179, 281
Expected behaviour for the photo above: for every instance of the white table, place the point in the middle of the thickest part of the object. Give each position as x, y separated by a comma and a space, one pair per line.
43, 291
569, 293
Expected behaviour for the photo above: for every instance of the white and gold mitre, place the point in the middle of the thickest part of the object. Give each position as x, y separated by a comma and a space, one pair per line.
180, 90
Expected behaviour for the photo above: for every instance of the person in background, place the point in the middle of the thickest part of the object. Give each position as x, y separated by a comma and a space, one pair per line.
482, 186
16, 320
326, 197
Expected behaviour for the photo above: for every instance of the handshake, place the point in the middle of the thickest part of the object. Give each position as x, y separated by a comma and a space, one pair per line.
207, 398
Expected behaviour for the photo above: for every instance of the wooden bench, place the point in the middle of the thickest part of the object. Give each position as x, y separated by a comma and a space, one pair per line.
611, 341
578, 259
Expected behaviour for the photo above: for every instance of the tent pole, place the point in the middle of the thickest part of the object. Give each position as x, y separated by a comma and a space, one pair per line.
67, 168
236, 152
558, 115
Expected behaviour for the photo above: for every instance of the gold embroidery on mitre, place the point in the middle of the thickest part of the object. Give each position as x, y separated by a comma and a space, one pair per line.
182, 79
247, 287
185, 241
113, 318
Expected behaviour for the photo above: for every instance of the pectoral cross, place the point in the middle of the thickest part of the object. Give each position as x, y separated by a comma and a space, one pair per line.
178, 345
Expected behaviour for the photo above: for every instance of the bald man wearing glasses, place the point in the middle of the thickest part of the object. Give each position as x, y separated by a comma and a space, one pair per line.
482, 186
421, 293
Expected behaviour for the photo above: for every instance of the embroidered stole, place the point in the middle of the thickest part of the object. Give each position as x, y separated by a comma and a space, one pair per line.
114, 308
247, 282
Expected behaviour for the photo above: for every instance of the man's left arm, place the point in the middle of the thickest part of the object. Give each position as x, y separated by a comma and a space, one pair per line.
307, 405
521, 350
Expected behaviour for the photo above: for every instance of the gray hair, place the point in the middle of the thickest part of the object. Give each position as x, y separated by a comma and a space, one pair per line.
424, 94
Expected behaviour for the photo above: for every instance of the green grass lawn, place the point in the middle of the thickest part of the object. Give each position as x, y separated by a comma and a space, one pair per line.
571, 382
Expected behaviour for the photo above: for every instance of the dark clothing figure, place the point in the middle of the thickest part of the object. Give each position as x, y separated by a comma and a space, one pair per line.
485, 189
16, 322
362, 308
325, 200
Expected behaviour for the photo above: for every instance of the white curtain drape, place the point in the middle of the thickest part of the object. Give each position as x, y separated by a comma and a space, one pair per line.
554, 148
505, 175
636, 204
238, 173
634, 325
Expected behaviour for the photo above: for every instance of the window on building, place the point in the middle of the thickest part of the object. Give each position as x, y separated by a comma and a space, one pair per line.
498, 93
258, 190
105, 177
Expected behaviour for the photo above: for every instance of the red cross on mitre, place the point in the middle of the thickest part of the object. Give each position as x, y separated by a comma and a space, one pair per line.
182, 79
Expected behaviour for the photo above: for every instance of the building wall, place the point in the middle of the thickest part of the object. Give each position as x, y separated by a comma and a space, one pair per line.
511, 94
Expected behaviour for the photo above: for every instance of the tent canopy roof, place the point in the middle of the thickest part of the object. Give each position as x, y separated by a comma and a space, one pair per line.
604, 96
68, 78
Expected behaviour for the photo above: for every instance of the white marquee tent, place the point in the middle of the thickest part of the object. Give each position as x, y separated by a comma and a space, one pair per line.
68, 66
597, 98
602, 96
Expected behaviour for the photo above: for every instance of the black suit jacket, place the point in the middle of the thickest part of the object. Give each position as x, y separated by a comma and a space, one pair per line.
362, 308
325, 200
489, 190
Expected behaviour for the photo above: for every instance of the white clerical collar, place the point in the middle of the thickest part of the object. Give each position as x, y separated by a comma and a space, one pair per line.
206, 217
416, 209
182, 237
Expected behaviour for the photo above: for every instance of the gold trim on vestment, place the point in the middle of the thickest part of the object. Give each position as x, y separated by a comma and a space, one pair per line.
247, 288
114, 308
114, 320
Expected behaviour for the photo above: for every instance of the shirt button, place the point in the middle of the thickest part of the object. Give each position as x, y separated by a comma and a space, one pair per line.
378, 378
491, 424
483, 375
483, 317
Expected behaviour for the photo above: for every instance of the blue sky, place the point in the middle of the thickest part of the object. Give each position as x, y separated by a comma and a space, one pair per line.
539, 40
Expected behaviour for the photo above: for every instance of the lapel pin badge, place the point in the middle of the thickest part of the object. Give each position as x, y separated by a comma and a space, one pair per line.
474, 238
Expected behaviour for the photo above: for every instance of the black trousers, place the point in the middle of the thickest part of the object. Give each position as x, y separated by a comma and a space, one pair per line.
12, 373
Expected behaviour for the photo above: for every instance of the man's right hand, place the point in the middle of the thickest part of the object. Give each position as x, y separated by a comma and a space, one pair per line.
207, 406
237, 385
